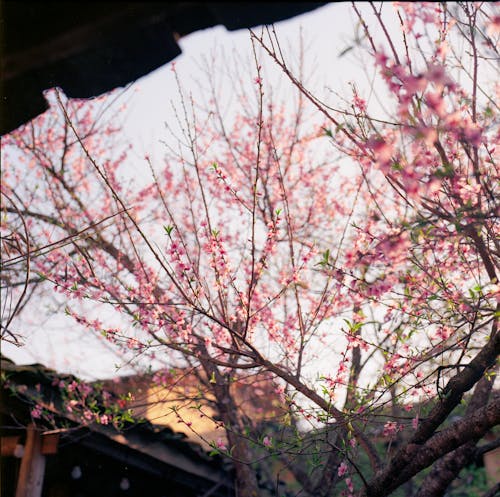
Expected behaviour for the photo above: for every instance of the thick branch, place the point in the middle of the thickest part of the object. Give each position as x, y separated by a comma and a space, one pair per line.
456, 387
391, 476
449, 466
419, 457
446, 470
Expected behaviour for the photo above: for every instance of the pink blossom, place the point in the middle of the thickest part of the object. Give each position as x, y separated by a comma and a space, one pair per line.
435, 101
414, 422
350, 486
87, 414
72, 386
436, 74
360, 103
382, 150
414, 84
221, 444
342, 469
267, 441
71, 405
36, 412
381, 58
390, 429
494, 26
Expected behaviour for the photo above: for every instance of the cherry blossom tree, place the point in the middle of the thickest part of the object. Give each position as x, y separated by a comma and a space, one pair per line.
367, 296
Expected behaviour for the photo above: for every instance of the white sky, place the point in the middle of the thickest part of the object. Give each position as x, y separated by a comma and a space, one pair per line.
327, 31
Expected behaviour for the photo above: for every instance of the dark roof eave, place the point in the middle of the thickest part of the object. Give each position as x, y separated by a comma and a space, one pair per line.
90, 51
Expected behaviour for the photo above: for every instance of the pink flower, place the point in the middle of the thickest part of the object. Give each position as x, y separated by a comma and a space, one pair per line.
71, 404
267, 441
72, 386
104, 419
380, 58
382, 150
221, 444
414, 84
342, 469
435, 101
437, 74
349, 484
36, 412
390, 429
414, 422
360, 103
494, 26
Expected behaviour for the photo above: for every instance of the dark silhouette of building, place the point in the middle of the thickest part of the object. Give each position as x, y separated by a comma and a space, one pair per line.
89, 48
56, 456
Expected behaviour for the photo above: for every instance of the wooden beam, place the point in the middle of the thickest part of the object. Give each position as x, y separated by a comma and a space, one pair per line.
50, 443
30, 482
8, 445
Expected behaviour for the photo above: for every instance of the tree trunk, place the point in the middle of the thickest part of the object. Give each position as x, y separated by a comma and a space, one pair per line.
241, 455
246, 478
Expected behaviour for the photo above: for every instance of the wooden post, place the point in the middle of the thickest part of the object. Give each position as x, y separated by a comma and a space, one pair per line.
30, 482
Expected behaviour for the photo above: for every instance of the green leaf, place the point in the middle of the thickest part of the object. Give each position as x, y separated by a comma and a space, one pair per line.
325, 261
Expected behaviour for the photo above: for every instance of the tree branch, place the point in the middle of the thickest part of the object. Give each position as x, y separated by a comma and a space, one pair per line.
396, 471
